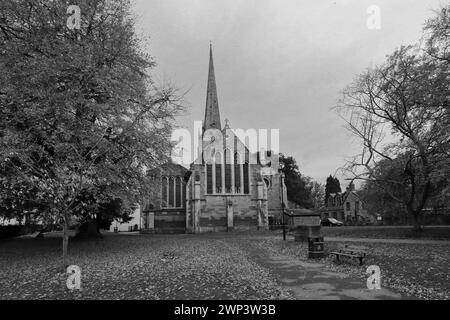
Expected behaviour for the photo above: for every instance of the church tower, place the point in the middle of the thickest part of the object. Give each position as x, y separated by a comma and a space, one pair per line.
212, 115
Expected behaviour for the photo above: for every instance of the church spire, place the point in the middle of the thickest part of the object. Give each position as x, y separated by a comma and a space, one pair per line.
212, 115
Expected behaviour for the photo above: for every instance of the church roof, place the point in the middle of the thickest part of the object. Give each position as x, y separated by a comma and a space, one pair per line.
212, 114
169, 169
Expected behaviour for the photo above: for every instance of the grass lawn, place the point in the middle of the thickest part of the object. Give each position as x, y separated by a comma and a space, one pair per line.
135, 267
216, 266
388, 232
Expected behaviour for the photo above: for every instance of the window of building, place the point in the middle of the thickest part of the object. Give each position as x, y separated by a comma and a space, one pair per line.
218, 167
178, 192
172, 192
347, 206
237, 173
246, 182
228, 175
209, 178
164, 185
246, 169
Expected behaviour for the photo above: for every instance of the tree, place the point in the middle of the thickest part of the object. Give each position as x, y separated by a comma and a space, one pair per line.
400, 112
379, 197
332, 186
437, 36
80, 114
317, 194
298, 186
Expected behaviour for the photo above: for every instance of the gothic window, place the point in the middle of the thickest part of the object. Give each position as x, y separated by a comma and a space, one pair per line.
227, 174
237, 172
246, 182
209, 180
228, 166
246, 172
178, 192
218, 168
171, 192
164, 192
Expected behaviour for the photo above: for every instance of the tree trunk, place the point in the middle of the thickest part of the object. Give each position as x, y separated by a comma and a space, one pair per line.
65, 240
417, 225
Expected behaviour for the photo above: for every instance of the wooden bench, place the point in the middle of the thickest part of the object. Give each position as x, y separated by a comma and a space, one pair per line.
359, 252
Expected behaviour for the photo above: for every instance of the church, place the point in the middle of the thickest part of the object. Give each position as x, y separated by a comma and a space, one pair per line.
227, 188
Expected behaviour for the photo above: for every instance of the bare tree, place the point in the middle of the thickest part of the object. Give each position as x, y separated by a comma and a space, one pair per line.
395, 110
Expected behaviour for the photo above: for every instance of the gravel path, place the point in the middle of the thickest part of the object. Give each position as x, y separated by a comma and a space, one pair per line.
404, 241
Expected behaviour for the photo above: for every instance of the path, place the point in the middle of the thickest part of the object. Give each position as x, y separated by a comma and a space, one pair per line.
400, 241
309, 280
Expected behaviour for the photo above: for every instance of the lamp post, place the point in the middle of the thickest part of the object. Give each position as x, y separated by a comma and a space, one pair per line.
282, 199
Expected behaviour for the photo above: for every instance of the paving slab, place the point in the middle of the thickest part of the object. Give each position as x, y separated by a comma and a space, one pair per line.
309, 280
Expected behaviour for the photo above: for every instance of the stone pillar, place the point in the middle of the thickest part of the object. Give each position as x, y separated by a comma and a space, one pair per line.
222, 167
187, 201
196, 208
241, 168
230, 225
151, 221
263, 212
232, 171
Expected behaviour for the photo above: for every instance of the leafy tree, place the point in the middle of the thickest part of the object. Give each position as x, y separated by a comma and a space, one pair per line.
317, 194
298, 186
80, 117
332, 186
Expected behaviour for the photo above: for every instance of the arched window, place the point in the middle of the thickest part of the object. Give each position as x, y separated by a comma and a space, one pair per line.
164, 192
218, 169
246, 172
178, 192
171, 192
228, 174
237, 172
267, 182
246, 182
209, 178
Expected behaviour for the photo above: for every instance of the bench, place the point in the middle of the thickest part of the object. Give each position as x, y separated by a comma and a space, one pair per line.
351, 251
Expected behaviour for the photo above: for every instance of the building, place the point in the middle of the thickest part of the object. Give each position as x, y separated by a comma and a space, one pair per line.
133, 225
226, 188
347, 207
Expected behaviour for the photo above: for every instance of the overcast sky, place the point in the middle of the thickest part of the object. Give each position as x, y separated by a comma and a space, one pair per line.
278, 63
